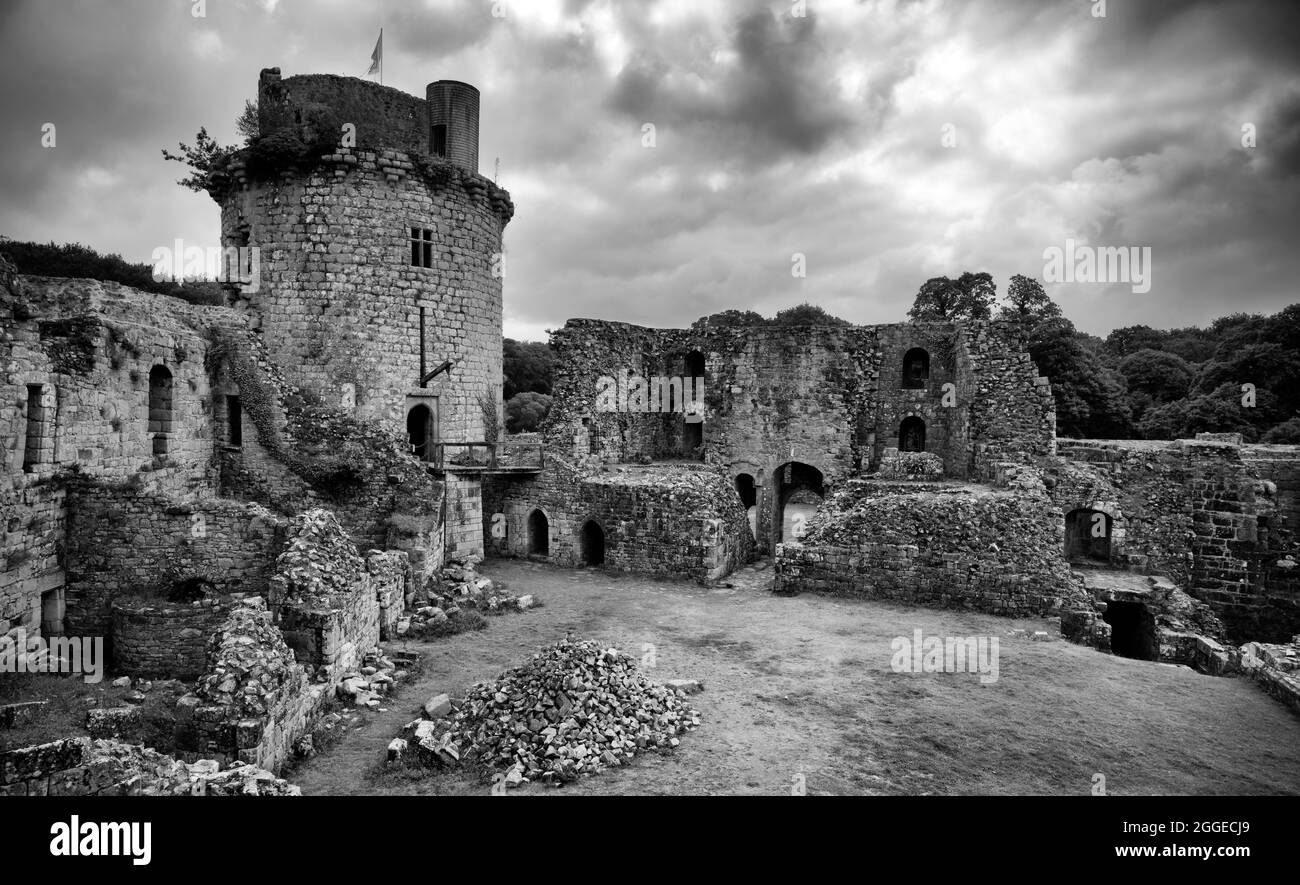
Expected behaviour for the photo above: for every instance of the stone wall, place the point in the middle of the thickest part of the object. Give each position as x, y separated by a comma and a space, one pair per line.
989, 549
824, 402
85, 349
124, 541
161, 640
1192, 510
33, 534
665, 519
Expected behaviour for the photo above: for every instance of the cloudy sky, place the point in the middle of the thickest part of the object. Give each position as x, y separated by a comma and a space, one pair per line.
887, 142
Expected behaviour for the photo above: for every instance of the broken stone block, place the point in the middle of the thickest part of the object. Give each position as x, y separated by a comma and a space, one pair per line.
122, 682
437, 706
524, 602
396, 750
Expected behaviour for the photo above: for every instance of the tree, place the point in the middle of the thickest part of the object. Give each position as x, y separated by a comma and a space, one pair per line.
248, 125
1026, 301
969, 297
1217, 412
807, 315
526, 411
201, 158
1091, 398
730, 318
1131, 339
526, 366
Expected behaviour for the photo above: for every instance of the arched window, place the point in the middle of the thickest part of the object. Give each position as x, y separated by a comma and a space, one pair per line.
1087, 535
418, 422
916, 368
911, 435
593, 544
692, 395
539, 534
160, 408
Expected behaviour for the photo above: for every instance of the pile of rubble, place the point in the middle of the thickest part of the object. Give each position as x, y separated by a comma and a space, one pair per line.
379, 674
575, 708
248, 660
463, 590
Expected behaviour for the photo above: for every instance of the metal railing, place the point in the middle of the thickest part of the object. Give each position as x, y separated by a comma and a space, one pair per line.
468, 457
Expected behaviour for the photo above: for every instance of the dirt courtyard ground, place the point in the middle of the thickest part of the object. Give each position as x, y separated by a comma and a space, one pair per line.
800, 691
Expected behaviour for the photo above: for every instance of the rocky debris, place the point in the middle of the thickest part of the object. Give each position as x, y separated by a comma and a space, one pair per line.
13, 715
689, 686
458, 608
110, 766
319, 561
379, 674
575, 708
113, 722
248, 660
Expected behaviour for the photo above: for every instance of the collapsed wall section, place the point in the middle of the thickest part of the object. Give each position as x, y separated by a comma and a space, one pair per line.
989, 549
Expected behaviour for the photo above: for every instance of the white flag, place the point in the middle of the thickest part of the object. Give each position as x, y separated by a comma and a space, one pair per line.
377, 57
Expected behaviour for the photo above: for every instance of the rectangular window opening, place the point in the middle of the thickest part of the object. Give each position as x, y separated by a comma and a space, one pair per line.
234, 421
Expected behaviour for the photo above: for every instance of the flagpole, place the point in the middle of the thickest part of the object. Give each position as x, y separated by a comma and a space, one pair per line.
381, 55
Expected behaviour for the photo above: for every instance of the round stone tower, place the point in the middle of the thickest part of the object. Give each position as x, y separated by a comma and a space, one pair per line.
453, 122
378, 249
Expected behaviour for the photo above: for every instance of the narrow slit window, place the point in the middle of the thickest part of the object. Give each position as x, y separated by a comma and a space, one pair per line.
35, 427
439, 145
234, 421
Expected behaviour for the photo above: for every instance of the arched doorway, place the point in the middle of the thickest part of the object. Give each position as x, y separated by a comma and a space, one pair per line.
1087, 535
748, 493
419, 422
593, 543
911, 435
800, 490
916, 368
160, 408
539, 534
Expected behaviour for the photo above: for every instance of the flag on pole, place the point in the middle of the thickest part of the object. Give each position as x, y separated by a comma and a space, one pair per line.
377, 57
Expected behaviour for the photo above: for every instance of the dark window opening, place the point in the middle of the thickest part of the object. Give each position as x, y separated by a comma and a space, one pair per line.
52, 612
539, 534
745, 488
911, 435
421, 247
438, 141
593, 544
35, 443
418, 424
916, 368
1133, 631
1087, 535
160, 408
234, 421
